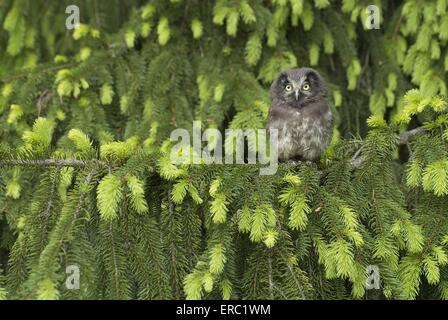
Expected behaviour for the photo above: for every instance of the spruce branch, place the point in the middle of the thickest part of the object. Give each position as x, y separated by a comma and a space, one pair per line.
355, 162
50, 162
402, 139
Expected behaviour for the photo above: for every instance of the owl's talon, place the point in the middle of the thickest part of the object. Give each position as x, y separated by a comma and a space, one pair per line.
295, 162
299, 162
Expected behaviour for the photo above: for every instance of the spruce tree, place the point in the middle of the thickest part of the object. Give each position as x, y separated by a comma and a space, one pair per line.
86, 178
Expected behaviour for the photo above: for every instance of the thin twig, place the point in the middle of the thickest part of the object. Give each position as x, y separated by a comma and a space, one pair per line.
357, 158
270, 278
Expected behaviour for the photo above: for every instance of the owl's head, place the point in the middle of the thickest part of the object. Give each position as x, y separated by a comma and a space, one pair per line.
296, 87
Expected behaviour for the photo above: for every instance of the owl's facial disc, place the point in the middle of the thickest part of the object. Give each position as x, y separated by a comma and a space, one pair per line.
296, 90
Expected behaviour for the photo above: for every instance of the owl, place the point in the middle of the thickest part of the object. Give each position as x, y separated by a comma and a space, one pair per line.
301, 113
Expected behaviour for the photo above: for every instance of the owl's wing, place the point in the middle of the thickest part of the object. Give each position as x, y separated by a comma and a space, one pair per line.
273, 117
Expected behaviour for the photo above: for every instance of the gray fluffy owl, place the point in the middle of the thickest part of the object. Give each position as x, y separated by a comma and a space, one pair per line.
301, 114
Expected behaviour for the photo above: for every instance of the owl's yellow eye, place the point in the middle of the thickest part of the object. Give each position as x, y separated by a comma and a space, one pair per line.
306, 87
288, 87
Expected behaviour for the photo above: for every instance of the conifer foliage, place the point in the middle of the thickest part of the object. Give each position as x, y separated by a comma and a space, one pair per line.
86, 179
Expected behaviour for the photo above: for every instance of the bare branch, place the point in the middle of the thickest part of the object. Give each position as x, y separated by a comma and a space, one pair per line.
406, 136
403, 139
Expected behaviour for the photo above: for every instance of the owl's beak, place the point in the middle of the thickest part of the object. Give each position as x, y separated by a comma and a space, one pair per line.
297, 94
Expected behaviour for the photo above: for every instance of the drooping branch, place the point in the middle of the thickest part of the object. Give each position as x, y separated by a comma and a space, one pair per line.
43, 70
114, 50
403, 139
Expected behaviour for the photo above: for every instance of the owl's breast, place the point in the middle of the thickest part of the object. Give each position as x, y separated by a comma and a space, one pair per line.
302, 135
